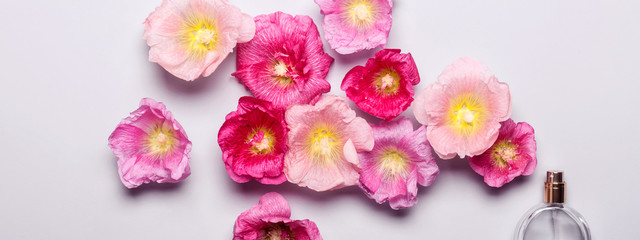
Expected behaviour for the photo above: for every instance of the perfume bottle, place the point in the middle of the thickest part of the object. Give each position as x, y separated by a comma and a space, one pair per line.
553, 219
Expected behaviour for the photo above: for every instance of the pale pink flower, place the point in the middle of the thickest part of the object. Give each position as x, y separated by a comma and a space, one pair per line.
323, 141
192, 37
353, 25
253, 141
463, 109
384, 86
513, 154
285, 62
400, 159
270, 219
151, 146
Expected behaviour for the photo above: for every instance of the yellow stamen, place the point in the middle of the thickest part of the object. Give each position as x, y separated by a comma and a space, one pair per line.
280, 75
360, 12
161, 140
280, 69
387, 81
466, 114
204, 36
199, 34
324, 144
393, 163
504, 153
261, 141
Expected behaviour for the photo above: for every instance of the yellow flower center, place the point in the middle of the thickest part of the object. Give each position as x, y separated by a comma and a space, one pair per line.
161, 140
504, 153
204, 36
360, 12
393, 163
324, 144
277, 231
199, 34
280, 74
280, 69
261, 141
466, 114
387, 81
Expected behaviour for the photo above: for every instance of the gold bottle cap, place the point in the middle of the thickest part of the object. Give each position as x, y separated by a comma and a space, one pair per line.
554, 187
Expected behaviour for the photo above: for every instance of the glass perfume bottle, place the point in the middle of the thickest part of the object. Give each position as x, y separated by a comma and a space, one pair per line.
552, 219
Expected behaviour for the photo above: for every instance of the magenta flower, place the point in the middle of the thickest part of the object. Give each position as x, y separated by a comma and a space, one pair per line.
191, 38
253, 142
285, 62
401, 159
384, 86
513, 154
151, 146
323, 143
270, 219
463, 109
353, 25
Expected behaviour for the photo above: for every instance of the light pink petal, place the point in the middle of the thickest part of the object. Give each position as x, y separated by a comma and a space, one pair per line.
328, 6
465, 68
337, 35
350, 153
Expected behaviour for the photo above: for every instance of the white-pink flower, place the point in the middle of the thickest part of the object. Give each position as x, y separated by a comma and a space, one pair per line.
324, 140
463, 109
191, 38
151, 146
353, 25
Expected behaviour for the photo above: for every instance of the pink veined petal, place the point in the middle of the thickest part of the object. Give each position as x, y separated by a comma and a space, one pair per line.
370, 178
395, 130
305, 229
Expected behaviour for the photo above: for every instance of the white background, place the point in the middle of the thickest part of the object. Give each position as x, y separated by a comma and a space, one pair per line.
71, 70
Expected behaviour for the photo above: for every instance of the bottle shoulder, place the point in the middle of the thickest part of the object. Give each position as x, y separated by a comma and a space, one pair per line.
555, 210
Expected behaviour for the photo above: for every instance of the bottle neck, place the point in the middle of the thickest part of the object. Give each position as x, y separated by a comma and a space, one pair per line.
554, 192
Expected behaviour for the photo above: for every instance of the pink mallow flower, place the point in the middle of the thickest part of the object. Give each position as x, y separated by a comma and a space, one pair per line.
384, 86
513, 154
270, 220
463, 109
400, 159
324, 140
353, 25
253, 142
191, 38
285, 62
151, 146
